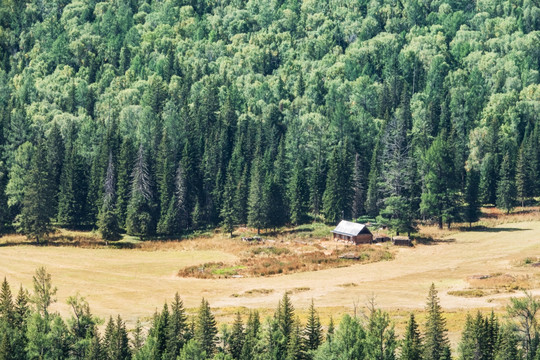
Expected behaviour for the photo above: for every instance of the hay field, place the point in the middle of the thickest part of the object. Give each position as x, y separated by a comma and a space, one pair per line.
134, 282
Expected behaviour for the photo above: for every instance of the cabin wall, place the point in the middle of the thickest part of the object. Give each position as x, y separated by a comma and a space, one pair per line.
363, 239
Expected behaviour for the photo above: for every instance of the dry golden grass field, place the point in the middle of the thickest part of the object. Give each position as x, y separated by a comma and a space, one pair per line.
471, 269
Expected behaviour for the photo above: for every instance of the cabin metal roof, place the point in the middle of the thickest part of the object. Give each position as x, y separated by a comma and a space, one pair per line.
350, 228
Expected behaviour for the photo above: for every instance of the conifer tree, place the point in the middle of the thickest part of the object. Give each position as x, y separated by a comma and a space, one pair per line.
125, 169
205, 329
507, 345
108, 219
359, 191
36, 213
472, 205
506, 188
227, 207
241, 193
236, 342
336, 198
138, 337
7, 309
161, 326
436, 345
177, 328
55, 158
140, 211
411, 348
251, 336
522, 185
298, 194
257, 206
313, 332
165, 177
295, 346
73, 186
21, 310
94, 350
5, 347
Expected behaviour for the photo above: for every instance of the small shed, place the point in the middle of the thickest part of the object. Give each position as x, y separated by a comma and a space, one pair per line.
380, 238
402, 241
351, 232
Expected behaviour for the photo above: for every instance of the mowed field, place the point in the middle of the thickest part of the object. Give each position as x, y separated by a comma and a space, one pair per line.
135, 282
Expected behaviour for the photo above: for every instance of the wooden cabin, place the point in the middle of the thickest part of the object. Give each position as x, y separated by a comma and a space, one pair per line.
402, 241
353, 233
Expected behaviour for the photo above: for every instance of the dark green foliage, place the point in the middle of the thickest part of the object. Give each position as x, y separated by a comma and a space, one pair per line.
237, 338
313, 336
176, 329
125, 169
140, 210
411, 347
471, 210
480, 338
108, 216
205, 328
36, 213
506, 188
436, 344
115, 342
299, 194
337, 196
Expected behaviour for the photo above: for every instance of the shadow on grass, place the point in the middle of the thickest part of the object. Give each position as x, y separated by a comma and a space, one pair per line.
481, 228
430, 241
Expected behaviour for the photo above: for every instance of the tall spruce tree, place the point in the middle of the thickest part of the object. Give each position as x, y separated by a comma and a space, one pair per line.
126, 161
55, 158
36, 213
471, 210
313, 331
506, 187
298, 193
411, 347
237, 339
337, 195
436, 344
177, 328
108, 218
141, 208
257, 214
205, 329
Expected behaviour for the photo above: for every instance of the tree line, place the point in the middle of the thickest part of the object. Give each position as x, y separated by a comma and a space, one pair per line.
29, 330
156, 117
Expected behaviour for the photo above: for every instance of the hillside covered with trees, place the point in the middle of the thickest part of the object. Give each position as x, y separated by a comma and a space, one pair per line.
155, 117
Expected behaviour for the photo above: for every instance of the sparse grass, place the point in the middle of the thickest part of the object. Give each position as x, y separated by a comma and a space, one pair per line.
500, 282
468, 293
348, 285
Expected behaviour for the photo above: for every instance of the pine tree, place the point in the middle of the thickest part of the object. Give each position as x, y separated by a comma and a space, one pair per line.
21, 310
506, 188
522, 185
472, 206
125, 169
251, 336
295, 346
73, 186
161, 326
94, 350
359, 193
55, 158
140, 212
436, 345
138, 337
313, 332
507, 348
108, 219
257, 206
5, 347
36, 213
237, 338
298, 194
165, 178
205, 329
176, 331
227, 206
7, 309
336, 198
411, 348
285, 316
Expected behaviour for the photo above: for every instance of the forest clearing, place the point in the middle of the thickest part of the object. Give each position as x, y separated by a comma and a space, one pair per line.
471, 269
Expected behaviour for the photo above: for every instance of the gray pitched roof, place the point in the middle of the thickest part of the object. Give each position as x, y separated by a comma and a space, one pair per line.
350, 228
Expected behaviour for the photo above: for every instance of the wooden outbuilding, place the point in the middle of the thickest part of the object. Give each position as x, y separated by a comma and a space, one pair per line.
402, 241
351, 232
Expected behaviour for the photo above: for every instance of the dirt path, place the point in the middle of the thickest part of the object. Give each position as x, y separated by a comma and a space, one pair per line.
134, 283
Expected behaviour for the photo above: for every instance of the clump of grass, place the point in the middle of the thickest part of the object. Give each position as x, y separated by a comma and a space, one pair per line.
346, 285
468, 293
270, 250
501, 282
210, 270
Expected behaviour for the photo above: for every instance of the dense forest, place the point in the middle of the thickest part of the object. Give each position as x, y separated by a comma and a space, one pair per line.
30, 330
156, 117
